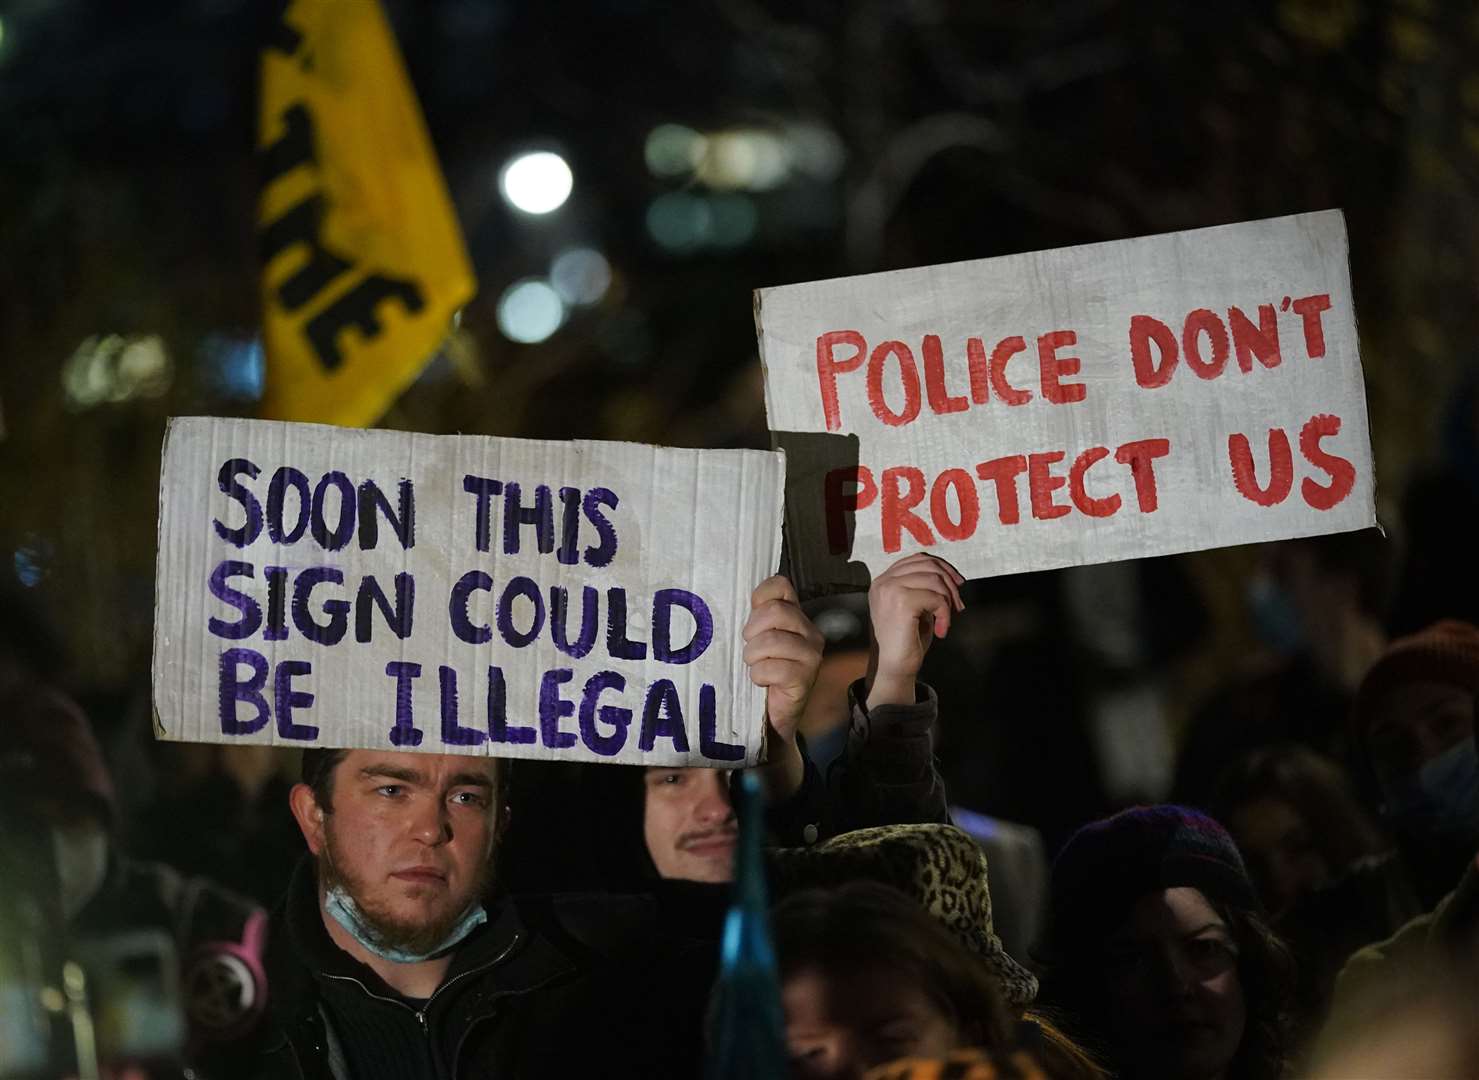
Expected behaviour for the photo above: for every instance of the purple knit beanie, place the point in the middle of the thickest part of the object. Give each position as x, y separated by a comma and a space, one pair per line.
1109, 864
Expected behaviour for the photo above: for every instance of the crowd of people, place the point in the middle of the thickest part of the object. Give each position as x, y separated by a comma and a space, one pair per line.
1309, 904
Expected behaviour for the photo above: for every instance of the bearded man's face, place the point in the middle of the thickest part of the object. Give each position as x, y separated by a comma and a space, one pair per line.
410, 837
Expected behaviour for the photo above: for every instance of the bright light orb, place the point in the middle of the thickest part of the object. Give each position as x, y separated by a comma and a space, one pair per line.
679, 222
734, 220
673, 150
580, 275
817, 151
530, 311
536, 183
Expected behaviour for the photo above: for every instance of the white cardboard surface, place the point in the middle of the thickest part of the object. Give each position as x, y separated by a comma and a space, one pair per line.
703, 521
1092, 291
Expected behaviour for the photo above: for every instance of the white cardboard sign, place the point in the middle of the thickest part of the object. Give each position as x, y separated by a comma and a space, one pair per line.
1080, 405
581, 601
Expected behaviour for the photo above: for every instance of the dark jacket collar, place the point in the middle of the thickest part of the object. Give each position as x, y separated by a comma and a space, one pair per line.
300, 950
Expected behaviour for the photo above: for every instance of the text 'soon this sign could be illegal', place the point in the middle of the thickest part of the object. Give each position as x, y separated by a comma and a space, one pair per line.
1081, 405
456, 594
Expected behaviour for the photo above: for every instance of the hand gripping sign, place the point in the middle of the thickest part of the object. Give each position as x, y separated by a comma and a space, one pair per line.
582, 601
1082, 405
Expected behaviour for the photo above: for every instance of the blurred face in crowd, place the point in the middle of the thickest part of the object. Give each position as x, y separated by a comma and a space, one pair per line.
1416, 723
842, 1028
409, 836
689, 823
79, 847
827, 709
1174, 998
1280, 851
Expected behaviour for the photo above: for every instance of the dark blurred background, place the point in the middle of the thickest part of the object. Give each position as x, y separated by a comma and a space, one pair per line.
714, 148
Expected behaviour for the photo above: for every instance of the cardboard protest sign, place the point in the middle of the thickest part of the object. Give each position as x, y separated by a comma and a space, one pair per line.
1074, 406
578, 601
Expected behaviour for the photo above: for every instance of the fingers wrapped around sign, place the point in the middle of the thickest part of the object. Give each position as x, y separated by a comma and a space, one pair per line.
783, 651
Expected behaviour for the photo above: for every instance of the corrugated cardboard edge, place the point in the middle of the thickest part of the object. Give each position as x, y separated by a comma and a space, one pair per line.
1350, 288
1202, 232
154, 659
777, 540
758, 305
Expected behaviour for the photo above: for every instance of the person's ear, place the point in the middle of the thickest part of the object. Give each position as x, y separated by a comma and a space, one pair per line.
309, 815
505, 816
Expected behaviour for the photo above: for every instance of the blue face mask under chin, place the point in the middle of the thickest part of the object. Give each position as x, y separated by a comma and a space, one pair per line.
1441, 799
344, 911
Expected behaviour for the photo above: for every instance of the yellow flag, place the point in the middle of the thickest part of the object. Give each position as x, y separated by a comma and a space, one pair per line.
363, 261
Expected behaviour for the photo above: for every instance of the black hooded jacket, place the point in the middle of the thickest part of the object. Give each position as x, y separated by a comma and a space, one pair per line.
571, 985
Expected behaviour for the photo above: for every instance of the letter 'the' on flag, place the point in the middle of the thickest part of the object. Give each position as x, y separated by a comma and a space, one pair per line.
363, 261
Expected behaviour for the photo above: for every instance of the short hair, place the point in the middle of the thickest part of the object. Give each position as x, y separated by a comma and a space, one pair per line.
317, 771
318, 766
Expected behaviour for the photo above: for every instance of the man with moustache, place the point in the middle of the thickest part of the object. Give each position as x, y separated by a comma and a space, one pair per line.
887, 774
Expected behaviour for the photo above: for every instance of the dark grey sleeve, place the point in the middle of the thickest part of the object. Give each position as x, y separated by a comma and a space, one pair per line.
799, 821
887, 776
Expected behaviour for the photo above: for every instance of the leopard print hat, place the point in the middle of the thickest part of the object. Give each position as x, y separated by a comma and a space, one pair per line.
940, 866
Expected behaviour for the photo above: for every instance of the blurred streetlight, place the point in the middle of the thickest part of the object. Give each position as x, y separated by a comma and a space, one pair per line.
114, 368
529, 311
683, 223
679, 221
580, 275
32, 560
673, 150
234, 365
747, 158
815, 150
537, 182
733, 220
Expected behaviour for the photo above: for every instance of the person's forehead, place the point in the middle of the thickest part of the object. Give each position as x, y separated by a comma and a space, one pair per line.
865, 996
1265, 820
1173, 912
432, 769
1413, 702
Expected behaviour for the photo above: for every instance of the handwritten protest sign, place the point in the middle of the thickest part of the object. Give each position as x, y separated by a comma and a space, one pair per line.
455, 594
1082, 405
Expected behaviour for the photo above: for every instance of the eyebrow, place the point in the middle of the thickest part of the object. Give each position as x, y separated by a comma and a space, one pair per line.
393, 772
472, 780
416, 776
1211, 926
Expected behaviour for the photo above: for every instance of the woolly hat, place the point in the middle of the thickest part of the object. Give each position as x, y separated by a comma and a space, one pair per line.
49, 750
939, 866
1446, 652
1107, 865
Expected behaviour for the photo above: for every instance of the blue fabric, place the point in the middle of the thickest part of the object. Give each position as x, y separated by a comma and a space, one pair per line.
749, 1028
1442, 797
344, 911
